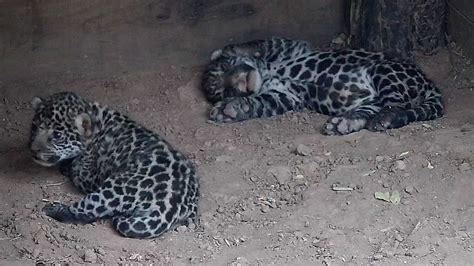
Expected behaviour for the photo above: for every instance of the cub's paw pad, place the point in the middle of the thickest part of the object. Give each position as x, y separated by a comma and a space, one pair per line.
58, 211
225, 112
336, 126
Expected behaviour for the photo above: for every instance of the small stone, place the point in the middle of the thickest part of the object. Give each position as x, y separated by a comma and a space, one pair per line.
100, 251
29, 206
33, 216
399, 238
90, 256
464, 167
303, 150
385, 185
265, 208
409, 189
340, 39
400, 165
379, 158
299, 177
192, 226
181, 229
378, 256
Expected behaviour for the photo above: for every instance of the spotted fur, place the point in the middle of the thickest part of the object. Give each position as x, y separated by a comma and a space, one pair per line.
129, 173
357, 88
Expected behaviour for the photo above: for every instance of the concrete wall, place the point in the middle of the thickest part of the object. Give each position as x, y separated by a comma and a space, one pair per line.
94, 37
461, 24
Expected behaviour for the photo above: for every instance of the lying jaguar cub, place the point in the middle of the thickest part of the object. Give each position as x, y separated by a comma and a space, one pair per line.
359, 89
129, 173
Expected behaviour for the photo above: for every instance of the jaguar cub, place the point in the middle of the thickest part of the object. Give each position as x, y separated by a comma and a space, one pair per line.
357, 88
129, 173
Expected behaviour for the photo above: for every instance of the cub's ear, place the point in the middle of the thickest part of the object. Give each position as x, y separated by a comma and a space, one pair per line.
36, 103
84, 125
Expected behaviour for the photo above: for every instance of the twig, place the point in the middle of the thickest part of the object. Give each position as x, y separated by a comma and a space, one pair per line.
10, 238
342, 188
54, 184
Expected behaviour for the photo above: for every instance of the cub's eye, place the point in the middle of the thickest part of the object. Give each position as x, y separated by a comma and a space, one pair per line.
57, 134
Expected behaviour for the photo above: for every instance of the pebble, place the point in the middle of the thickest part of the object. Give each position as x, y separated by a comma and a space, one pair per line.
378, 256
220, 209
240, 261
299, 177
400, 165
265, 209
238, 216
181, 229
465, 167
379, 158
192, 226
100, 251
303, 150
90, 256
409, 189
398, 237
281, 173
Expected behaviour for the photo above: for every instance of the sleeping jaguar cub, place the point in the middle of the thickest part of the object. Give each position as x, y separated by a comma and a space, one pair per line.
357, 88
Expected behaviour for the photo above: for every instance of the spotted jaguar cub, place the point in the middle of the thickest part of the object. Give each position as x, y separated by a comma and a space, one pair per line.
357, 88
129, 173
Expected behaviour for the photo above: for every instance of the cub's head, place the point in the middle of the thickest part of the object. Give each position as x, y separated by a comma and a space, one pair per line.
60, 128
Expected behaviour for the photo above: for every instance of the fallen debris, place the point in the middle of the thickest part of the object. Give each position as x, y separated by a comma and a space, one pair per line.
393, 197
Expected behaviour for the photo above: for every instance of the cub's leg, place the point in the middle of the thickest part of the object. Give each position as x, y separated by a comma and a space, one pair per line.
274, 99
115, 196
396, 115
81, 171
142, 226
353, 104
353, 121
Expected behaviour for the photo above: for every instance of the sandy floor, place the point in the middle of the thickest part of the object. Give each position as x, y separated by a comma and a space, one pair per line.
267, 185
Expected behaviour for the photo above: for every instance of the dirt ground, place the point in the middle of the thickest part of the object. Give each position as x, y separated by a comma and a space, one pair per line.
267, 185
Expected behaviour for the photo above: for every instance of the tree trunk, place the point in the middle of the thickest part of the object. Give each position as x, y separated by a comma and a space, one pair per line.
398, 27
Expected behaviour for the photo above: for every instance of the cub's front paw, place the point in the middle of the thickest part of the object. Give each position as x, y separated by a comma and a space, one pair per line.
229, 111
342, 126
